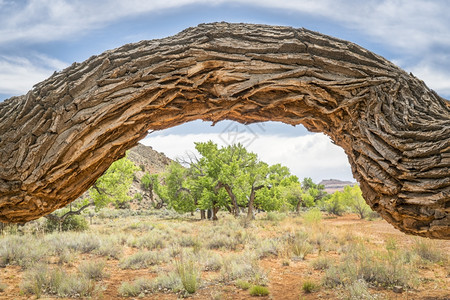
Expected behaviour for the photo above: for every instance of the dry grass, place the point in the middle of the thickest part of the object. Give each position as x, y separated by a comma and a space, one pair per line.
219, 259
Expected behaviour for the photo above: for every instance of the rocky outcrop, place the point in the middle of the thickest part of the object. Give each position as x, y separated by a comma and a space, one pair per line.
56, 140
147, 159
335, 185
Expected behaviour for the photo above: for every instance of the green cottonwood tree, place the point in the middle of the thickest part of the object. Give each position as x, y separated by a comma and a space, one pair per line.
114, 184
352, 197
282, 189
111, 187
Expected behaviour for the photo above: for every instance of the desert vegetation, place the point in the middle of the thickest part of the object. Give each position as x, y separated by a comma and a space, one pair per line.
161, 252
221, 226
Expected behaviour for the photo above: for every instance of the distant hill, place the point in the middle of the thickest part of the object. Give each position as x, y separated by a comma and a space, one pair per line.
148, 159
333, 185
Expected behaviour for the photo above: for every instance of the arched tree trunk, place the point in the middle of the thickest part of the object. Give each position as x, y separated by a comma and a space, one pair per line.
56, 140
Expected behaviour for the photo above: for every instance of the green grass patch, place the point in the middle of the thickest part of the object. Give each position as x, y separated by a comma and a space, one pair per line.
259, 290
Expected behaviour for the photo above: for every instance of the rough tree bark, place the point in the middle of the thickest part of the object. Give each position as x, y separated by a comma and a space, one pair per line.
56, 140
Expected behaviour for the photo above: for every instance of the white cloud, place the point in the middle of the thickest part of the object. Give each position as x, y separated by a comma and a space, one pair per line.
49, 20
413, 29
434, 75
19, 74
311, 155
409, 25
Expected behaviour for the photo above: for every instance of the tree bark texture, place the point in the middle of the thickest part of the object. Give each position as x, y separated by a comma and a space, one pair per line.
56, 140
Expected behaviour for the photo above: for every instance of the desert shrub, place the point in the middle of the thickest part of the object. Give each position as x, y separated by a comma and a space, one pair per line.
297, 245
110, 249
323, 241
309, 286
372, 215
312, 216
245, 285
24, 251
3, 286
93, 269
135, 288
169, 282
150, 241
380, 269
42, 280
428, 251
189, 241
129, 289
70, 223
275, 216
300, 248
258, 290
334, 205
76, 286
84, 243
359, 290
189, 274
242, 267
266, 247
210, 260
65, 257
142, 260
222, 241
36, 281
141, 226
138, 197
321, 263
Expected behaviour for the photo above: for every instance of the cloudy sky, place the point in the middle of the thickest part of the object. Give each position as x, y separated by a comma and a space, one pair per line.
38, 37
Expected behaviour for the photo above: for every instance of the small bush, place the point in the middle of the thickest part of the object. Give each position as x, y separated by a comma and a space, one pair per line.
222, 241
3, 287
211, 261
312, 216
428, 252
188, 273
359, 290
42, 280
135, 288
258, 290
335, 205
70, 223
84, 243
309, 286
275, 216
301, 248
170, 282
24, 251
76, 286
129, 289
110, 250
373, 215
138, 197
245, 285
150, 241
93, 269
321, 263
142, 260
189, 241
266, 248
36, 281
380, 269
243, 267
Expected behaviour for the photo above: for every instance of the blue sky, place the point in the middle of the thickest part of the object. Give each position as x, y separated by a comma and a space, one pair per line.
41, 36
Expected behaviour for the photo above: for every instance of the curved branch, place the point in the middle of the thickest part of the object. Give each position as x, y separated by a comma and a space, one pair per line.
56, 140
